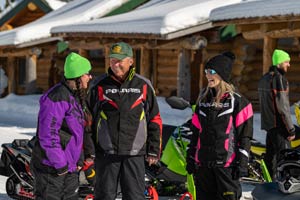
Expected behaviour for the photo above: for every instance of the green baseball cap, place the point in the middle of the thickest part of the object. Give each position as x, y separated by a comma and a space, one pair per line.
76, 65
120, 51
280, 56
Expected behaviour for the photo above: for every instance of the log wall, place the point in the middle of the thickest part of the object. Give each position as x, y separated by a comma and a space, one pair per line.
166, 72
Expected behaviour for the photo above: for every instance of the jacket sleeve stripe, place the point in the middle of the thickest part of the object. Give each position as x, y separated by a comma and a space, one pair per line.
230, 160
196, 122
244, 115
229, 125
157, 119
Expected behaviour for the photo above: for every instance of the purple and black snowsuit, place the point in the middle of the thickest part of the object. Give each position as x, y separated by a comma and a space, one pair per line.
59, 145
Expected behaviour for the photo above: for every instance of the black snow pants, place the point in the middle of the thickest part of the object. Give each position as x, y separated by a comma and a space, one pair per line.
129, 171
216, 184
275, 142
49, 186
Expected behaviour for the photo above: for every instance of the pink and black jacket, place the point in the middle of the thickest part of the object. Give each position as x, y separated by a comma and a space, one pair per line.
221, 135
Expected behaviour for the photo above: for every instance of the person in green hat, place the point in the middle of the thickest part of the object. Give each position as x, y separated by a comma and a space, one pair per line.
128, 127
60, 131
273, 91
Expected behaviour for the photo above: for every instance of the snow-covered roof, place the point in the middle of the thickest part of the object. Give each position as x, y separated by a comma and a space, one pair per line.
256, 8
10, 7
73, 12
162, 18
54, 4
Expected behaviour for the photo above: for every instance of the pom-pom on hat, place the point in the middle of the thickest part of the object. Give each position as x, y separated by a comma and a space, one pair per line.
222, 64
75, 66
280, 56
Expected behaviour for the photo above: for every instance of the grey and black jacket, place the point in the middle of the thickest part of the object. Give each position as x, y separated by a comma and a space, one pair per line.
273, 90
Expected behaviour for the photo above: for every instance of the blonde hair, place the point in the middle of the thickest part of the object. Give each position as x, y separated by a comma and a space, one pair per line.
222, 88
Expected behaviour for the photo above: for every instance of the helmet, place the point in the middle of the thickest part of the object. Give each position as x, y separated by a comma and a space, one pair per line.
288, 171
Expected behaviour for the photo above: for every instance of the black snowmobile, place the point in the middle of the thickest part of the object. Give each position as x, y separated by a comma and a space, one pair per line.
287, 186
15, 160
15, 164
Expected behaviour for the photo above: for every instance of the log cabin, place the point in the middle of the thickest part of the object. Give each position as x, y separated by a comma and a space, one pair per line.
30, 56
172, 40
18, 14
264, 26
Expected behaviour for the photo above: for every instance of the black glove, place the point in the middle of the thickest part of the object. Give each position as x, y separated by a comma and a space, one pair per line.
241, 170
292, 132
238, 172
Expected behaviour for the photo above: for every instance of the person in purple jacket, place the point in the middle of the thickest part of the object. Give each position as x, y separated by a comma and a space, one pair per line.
60, 133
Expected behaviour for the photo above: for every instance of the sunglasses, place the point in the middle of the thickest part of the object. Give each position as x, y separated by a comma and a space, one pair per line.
211, 71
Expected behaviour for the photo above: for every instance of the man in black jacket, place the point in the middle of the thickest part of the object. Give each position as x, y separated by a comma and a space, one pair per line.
127, 127
273, 90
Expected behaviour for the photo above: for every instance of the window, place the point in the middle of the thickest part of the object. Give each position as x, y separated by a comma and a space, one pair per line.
21, 71
137, 62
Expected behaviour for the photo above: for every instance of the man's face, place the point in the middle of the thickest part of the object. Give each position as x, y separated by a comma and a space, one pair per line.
120, 67
284, 66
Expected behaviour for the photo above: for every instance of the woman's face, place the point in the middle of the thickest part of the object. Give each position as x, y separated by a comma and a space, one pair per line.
213, 78
85, 79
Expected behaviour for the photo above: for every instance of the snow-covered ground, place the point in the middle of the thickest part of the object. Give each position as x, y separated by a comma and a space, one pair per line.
18, 117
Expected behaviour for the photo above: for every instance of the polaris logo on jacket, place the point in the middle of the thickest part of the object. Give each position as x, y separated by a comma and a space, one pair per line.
123, 90
214, 104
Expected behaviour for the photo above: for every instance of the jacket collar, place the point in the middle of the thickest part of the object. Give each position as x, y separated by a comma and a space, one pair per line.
128, 78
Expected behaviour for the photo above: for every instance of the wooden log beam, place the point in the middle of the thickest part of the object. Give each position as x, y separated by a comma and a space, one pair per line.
155, 72
256, 20
283, 33
107, 64
145, 63
184, 74
269, 46
76, 44
11, 75
268, 27
246, 28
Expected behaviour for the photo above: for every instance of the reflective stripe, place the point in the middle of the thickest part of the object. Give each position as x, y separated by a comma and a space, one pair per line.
103, 115
244, 152
142, 115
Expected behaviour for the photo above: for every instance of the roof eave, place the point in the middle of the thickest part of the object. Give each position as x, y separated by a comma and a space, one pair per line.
39, 41
257, 20
42, 5
168, 36
188, 31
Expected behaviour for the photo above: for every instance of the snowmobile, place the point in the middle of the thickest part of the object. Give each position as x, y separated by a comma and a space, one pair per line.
288, 172
15, 164
288, 184
257, 170
15, 160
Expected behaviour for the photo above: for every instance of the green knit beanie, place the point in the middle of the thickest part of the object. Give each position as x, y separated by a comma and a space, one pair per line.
280, 56
76, 66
